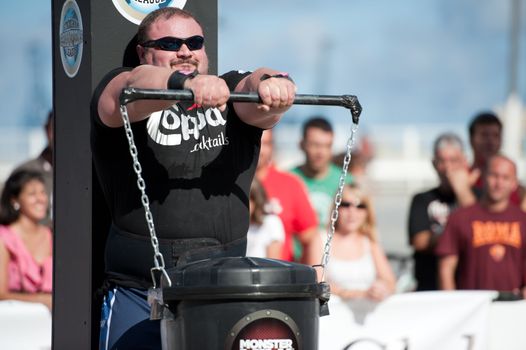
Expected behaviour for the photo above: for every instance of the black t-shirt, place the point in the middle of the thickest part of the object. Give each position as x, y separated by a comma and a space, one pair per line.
197, 165
429, 211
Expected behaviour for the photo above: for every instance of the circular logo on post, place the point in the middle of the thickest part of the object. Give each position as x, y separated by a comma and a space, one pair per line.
71, 37
135, 10
264, 330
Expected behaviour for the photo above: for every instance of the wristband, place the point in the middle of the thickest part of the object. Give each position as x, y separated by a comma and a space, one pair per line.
177, 79
279, 75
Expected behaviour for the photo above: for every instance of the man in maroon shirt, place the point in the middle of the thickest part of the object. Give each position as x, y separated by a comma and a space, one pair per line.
484, 245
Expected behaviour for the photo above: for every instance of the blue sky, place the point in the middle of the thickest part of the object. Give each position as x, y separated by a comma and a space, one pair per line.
408, 61
26, 25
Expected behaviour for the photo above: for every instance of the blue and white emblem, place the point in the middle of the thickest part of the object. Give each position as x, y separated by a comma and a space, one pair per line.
71, 38
135, 10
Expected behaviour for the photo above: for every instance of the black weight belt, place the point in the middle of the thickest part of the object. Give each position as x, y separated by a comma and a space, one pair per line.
129, 257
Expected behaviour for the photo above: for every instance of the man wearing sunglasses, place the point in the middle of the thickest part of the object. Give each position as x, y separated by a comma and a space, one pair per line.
198, 159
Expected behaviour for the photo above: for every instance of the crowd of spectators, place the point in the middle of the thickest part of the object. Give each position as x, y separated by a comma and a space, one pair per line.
468, 232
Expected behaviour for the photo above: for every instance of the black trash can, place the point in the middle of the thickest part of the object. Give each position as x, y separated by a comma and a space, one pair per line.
242, 303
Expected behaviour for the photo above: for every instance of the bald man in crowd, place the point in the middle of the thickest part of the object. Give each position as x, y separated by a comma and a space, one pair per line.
484, 245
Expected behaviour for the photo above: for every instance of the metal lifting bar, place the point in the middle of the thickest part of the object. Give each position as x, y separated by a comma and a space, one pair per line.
347, 101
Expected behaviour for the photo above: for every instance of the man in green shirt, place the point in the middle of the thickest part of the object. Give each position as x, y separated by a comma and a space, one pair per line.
318, 172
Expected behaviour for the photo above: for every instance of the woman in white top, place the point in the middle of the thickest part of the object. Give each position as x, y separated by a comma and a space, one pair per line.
266, 233
358, 270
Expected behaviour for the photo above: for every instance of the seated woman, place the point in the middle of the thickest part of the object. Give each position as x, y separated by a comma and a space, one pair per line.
25, 243
358, 271
266, 233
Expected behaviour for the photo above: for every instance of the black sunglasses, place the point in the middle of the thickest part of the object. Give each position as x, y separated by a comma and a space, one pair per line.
346, 204
170, 43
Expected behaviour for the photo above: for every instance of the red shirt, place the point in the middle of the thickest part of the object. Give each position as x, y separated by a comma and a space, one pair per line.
289, 200
491, 247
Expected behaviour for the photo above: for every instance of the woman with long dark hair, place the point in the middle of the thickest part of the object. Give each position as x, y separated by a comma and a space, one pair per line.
25, 243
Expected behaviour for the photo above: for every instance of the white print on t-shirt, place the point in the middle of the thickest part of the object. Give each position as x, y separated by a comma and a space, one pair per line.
172, 126
438, 213
206, 143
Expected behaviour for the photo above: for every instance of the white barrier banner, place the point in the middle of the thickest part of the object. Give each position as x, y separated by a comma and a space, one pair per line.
24, 326
410, 321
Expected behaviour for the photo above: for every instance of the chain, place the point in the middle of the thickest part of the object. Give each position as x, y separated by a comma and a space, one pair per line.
158, 258
338, 199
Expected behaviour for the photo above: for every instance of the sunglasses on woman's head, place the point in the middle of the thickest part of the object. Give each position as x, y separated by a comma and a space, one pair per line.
346, 204
170, 43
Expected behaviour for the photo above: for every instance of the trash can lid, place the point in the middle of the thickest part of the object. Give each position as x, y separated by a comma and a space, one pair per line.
241, 278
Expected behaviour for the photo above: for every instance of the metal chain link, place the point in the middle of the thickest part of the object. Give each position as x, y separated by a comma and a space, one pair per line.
338, 199
158, 258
